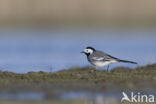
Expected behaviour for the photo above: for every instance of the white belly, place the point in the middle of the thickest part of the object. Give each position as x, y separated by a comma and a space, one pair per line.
102, 64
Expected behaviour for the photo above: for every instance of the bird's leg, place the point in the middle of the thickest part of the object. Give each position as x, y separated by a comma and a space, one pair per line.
107, 68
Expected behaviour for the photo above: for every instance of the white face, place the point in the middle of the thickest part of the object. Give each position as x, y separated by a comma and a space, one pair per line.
88, 51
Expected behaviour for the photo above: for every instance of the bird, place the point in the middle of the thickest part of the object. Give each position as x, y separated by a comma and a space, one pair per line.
101, 59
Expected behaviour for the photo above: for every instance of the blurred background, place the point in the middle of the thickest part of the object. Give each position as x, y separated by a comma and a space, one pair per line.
37, 35
109, 13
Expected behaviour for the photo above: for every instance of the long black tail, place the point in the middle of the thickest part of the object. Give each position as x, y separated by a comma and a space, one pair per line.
125, 61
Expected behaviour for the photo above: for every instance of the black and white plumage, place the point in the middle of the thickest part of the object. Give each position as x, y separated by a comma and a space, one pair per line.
101, 59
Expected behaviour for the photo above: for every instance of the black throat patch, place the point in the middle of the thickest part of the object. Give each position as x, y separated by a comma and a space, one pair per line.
87, 54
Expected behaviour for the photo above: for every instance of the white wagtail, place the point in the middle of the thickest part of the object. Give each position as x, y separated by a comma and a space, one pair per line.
101, 59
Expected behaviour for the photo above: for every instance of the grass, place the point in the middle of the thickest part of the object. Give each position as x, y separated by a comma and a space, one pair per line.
81, 78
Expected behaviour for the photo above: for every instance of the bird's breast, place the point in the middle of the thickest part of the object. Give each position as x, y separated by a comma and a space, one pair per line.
102, 63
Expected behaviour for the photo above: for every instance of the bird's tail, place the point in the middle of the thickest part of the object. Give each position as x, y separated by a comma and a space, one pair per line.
126, 61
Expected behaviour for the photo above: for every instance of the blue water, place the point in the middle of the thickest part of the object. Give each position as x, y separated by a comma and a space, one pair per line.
91, 96
23, 50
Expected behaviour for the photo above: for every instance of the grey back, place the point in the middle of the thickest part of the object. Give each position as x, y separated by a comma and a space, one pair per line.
100, 56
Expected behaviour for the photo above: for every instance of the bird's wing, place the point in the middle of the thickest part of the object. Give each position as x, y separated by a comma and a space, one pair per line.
98, 58
109, 57
103, 58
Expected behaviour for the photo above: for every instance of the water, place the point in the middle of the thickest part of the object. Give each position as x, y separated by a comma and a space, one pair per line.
22, 96
86, 97
24, 50
107, 97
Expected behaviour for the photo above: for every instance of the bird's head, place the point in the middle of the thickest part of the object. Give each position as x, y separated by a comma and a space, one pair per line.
88, 51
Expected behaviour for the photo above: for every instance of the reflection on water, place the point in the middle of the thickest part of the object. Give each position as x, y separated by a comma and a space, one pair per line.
91, 98
86, 97
49, 50
21, 96
95, 98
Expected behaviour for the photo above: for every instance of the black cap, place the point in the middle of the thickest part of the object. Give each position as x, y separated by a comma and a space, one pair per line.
89, 47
